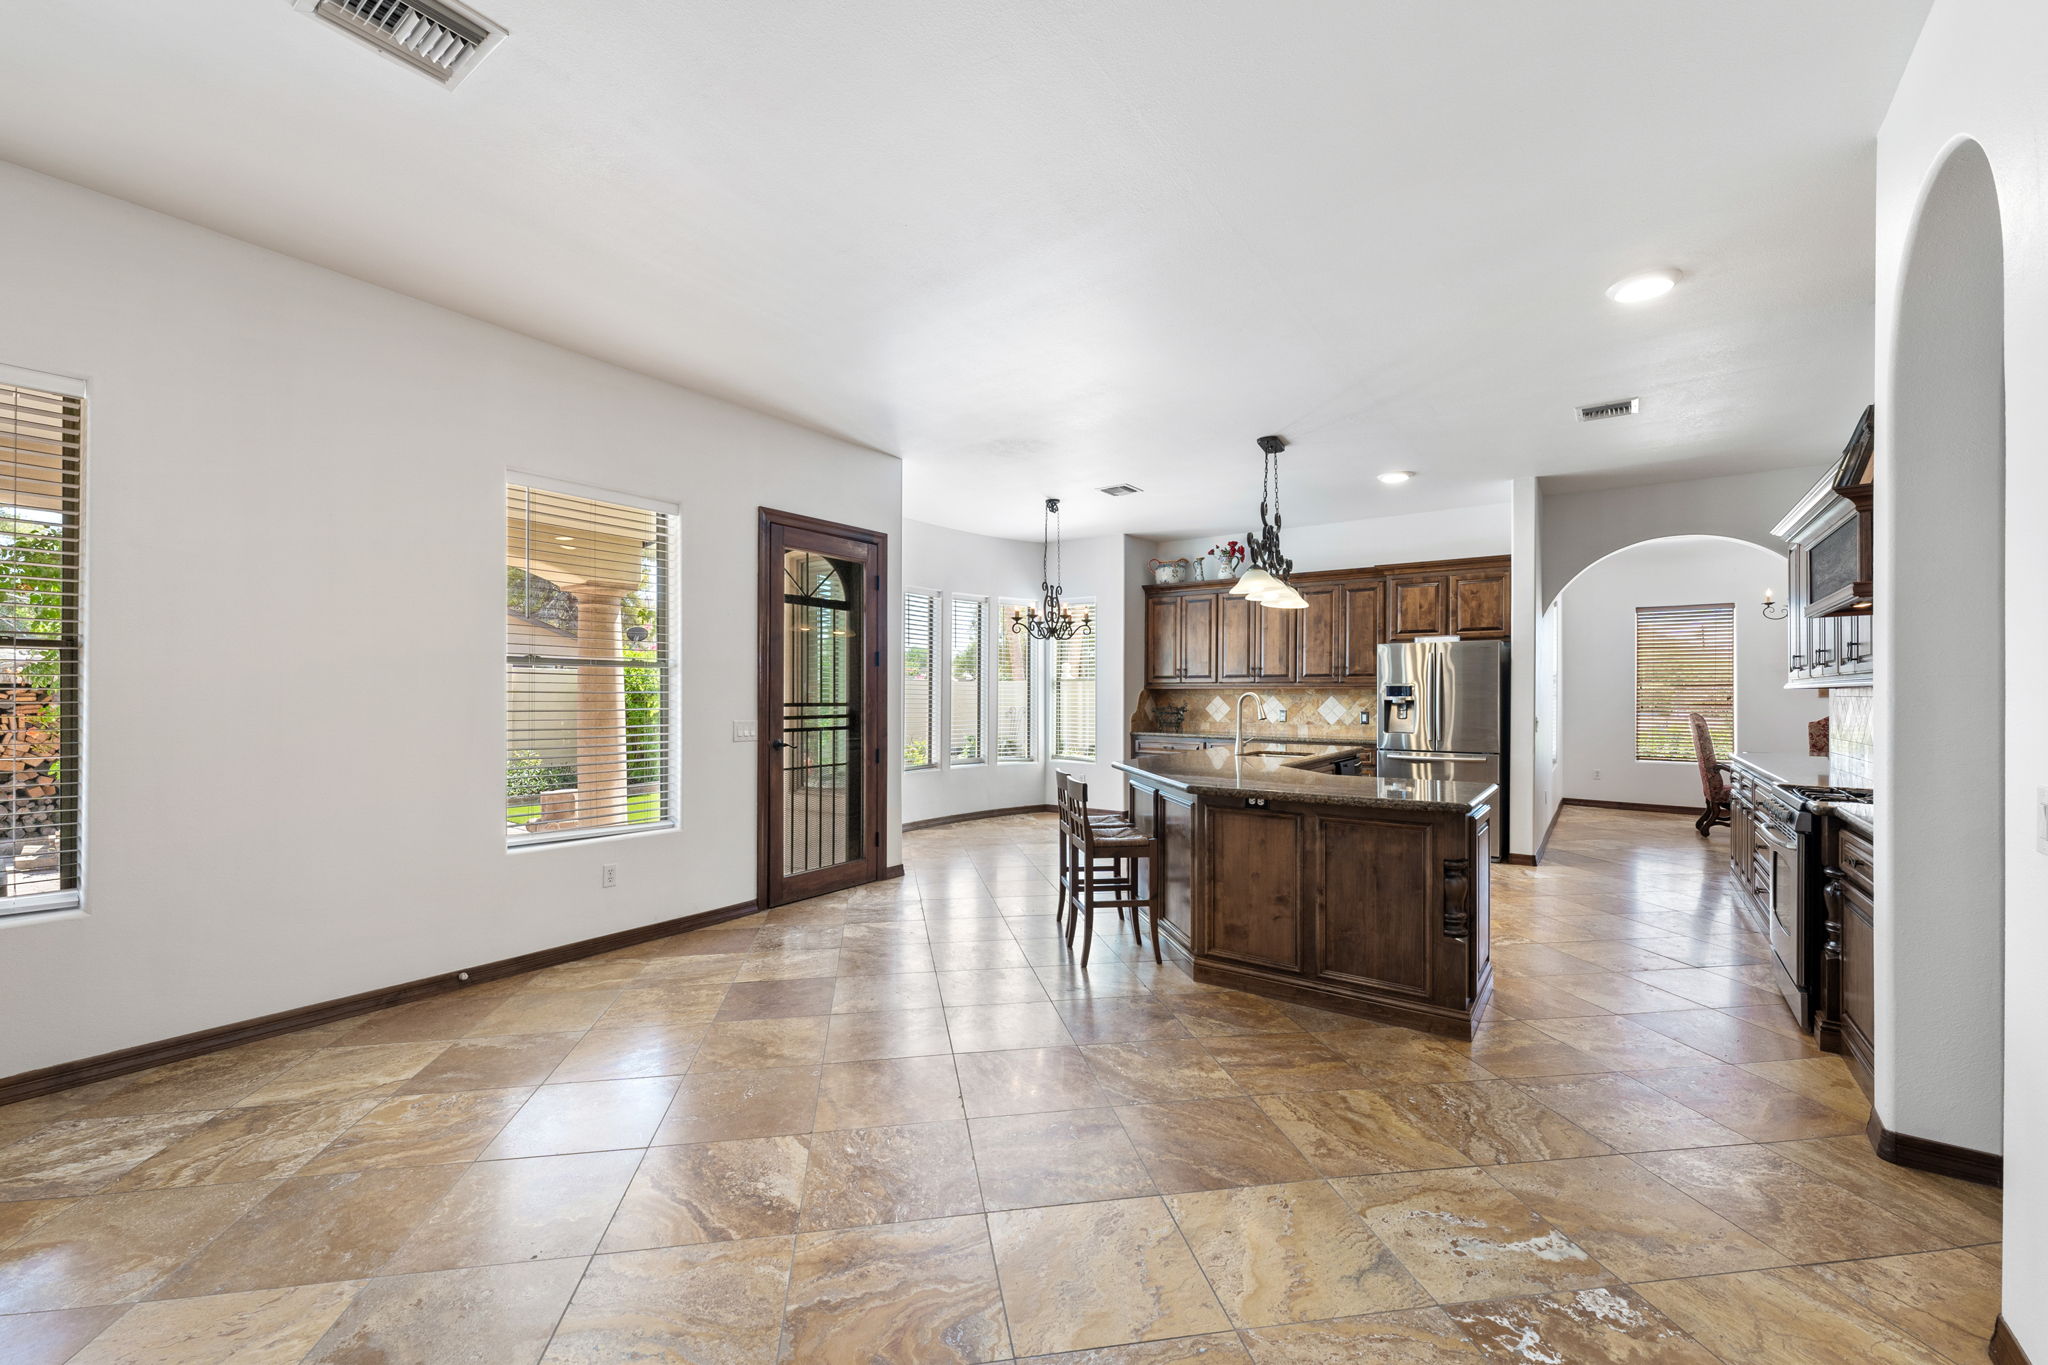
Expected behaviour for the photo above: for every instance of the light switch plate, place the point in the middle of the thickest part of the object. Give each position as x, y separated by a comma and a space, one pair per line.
743, 732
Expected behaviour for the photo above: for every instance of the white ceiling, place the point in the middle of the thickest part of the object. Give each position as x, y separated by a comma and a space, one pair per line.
1036, 246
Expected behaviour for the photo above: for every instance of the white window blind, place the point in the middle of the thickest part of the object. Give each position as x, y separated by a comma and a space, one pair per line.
964, 716
41, 458
587, 676
1685, 662
1016, 715
920, 698
1073, 691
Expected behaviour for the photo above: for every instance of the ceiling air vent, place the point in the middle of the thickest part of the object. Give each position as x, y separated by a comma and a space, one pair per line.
1122, 490
444, 40
1600, 412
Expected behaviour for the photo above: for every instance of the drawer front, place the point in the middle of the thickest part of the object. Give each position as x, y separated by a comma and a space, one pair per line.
1856, 857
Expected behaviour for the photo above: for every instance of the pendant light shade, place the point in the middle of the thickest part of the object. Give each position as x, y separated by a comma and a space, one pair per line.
1254, 583
1286, 599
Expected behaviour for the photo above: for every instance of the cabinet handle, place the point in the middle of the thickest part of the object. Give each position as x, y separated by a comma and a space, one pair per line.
1798, 662
1823, 656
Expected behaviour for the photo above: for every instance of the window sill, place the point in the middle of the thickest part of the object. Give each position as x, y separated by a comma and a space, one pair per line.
571, 837
42, 909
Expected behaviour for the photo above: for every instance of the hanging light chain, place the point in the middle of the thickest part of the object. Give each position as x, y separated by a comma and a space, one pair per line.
1051, 619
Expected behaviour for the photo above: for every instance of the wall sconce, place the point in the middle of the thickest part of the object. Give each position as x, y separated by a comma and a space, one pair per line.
1773, 608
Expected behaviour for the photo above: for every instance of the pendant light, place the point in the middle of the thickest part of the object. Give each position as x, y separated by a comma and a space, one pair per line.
1266, 582
1051, 619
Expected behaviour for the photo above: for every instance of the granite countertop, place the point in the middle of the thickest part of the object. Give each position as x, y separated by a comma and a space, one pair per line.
1796, 770
1857, 816
1283, 777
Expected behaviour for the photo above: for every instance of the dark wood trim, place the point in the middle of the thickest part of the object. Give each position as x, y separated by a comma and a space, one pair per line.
938, 820
1629, 805
1328, 996
1519, 859
874, 693
1475, 562
1942, 1158
65, 1075
892, 871
2005, 1347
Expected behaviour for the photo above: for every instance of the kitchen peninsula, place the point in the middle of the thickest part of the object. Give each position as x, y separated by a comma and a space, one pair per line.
1298, 876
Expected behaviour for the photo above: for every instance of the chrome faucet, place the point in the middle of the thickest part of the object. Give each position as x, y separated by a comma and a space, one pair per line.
1237, 750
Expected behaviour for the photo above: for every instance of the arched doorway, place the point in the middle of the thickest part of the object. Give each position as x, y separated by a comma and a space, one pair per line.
1589, 633
1940, 697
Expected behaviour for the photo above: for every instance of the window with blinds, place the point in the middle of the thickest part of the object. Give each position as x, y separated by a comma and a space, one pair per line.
920, 698
1685, 662
1016, 716
587, 665
42, 437
1073, 690
965, 719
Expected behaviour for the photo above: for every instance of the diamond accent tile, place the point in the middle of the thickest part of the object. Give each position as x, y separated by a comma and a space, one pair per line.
1331, 711
1217, 708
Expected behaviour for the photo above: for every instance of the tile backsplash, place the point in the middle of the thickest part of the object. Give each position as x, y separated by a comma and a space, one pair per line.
1332, 713
1852, 740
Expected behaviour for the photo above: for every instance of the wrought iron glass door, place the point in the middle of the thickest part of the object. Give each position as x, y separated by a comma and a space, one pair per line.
821, 702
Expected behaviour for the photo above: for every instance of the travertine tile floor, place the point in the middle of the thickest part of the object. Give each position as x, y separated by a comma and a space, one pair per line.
899, 1125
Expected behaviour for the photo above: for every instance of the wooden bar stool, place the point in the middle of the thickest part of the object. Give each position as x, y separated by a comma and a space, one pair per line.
1087, 841
1107, 819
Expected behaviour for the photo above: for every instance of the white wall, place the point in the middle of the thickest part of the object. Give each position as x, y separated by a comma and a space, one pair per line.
1455, 533
1580, 528
294, 780
1976, 73
1599, 660
939, 559
1111, 571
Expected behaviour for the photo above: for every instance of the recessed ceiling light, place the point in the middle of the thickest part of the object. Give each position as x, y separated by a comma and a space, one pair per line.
1651, 284
1397, 476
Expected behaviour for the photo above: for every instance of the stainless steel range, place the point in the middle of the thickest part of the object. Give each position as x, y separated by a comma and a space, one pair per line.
1776, 854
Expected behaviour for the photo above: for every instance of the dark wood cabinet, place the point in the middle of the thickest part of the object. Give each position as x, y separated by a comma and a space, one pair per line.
1479, 605
1363, 619
1253, 896
1846, 1019
1319, 654
1180, 638
1418, 605
1201, 635
1253, 643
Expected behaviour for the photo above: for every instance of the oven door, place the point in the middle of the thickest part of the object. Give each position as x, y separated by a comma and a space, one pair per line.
1777, 865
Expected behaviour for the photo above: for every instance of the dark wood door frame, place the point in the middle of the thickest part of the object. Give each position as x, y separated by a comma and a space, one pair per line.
875, 710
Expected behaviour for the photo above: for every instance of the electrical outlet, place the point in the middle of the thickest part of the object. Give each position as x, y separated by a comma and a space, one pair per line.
608, 876
2041, 819
1596, 774
743, 732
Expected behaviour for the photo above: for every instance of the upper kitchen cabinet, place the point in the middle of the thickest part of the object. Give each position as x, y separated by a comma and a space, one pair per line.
1319, 634
1830, 572
1253, 643
1198, 634
1479, 603
1363, 621
1180, 638
1463, 597
1418, 604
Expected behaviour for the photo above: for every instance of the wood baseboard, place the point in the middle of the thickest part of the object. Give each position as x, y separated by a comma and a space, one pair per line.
937, 820
1693, 811
2005, 1348
893, 870
65, 1075
1942, 1158
1519, 859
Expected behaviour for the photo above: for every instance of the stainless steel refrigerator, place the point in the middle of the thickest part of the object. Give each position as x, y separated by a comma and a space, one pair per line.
1443, 715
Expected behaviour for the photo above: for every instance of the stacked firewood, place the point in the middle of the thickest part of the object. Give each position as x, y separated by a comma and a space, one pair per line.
28, 755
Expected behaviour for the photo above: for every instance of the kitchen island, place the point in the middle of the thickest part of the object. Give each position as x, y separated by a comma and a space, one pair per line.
1292, 875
